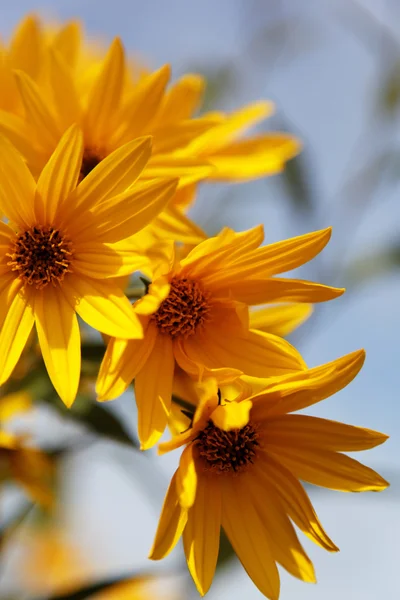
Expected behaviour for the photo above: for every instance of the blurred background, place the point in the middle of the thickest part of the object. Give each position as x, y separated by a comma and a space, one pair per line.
333, 69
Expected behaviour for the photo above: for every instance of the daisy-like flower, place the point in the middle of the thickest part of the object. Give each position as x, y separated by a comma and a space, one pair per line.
240, 469
113, 106
62, 247
196, 315
20, 463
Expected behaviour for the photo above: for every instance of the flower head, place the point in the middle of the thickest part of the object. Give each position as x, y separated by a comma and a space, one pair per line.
196, 316
63, 245
240, 469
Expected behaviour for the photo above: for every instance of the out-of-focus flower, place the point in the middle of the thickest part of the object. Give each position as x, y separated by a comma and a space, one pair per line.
20, 463
240, 469
62, 247
52, 564
113, 106
197, 314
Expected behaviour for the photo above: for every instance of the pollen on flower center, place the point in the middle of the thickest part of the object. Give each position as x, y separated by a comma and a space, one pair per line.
185, 309
227, 451
41, 255
90, 160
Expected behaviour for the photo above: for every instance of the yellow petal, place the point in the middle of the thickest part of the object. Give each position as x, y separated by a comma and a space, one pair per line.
153, 394
272, 259
232, 415
231, 127
280, 320
282, 537
172, 522
135, 209
105, 95
113, 175
38, 112
156, 294
258, 354
172, 224
121, 363
17, 186
59, 339
312, 432
186, 478
202, 533
18, 132
182, 98
103, 306
67, 42
255, 157
329, 469
294, 500
26, 47
60, 176
246, 532
299, 390
142, 107
65, 95
259, 291
102, 261
189, 169
194, 364
15, 332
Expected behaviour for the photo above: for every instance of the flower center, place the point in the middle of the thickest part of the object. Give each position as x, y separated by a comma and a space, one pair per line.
41, 255
184, 310
227, 451
90, 160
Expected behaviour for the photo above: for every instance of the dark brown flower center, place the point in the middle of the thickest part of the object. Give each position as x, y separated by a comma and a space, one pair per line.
185, 309
90, 160
41, 255
227, 451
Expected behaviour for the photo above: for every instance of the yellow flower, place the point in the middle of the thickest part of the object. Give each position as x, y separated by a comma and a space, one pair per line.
63, 245
197, 315
113, 106
20, 463
240, 469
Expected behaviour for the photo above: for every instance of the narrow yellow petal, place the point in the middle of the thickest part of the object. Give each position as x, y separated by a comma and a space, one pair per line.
121, 363
295, 501
280, 320
274, 289
272, 259
27, 47
60, 176
171, 525
254, 157
329, 469
173, 224
153, 394
65, 95
113, 175
103, 306
15, 332
59, 338
282, 537
202, 533
320, 434
232, 415
17, 186
135, 208
189, 169
186, 478
300, 390
182, 98
141, 108
100, 261
105, 94
67, 42
38, 112
246, 533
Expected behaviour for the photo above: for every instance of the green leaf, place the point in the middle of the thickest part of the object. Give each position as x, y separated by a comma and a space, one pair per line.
296, 178
364, 269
